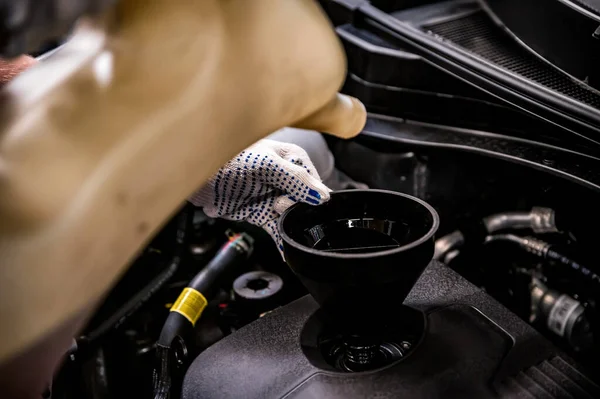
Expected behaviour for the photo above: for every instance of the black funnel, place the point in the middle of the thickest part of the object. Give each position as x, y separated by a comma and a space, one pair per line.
360, 254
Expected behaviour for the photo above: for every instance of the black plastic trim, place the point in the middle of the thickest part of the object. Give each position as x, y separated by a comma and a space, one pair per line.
576, 117
580, 168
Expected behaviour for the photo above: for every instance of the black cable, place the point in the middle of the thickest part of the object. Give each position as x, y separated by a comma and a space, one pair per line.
548, 252
557, 256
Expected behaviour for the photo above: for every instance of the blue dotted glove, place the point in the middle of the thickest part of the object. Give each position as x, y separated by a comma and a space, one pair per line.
260, 183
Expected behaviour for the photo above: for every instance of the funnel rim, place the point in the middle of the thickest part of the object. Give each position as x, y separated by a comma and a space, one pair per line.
336, 255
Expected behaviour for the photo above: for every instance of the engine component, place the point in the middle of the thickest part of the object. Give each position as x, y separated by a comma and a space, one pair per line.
447, 244
561, 314
474, 350
540, 220
355, 353
257, 292
363, 325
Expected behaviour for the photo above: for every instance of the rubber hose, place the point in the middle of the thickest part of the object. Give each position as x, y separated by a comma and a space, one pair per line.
204, 284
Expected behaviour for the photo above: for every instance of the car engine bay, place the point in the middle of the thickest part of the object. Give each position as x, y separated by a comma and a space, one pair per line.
502, 144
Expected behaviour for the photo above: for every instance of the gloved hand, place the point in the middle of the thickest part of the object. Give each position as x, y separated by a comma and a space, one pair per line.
260, 183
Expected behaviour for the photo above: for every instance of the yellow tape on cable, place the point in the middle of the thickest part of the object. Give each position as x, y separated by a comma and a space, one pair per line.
190, 305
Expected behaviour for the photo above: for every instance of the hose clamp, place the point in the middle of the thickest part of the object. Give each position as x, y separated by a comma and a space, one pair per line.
543, 220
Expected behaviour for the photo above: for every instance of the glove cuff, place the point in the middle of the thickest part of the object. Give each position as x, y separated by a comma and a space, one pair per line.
203, 198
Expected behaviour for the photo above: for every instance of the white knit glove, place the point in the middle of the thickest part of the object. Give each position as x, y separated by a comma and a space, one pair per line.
260, 183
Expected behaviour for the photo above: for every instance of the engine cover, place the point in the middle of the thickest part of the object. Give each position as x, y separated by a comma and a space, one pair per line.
472, 347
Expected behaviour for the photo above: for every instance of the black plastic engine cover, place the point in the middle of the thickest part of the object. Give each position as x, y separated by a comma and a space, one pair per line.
473, 347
